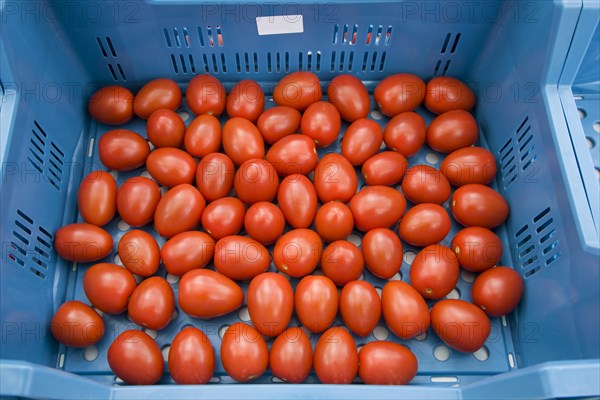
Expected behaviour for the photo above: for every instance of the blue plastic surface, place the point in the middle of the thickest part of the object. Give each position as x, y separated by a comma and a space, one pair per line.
514, 54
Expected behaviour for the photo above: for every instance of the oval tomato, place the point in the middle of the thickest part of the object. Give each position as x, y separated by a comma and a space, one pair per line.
155, 95
361, 141
350, 96
179, 210
270, 303
336, 357
460, 324
111, 105
425, 184
82, 243
203, 136
405, 133
445, 94
298, 252
298, 90
451, 131
256, 180
191, 357
294, 154
165, 128
478, 205
377, 207
321, 122
244, 353
497, 291
241, 258
76, 324
469, 165
223, 217
404, 310
382, 251
186, 251
335, 179
316, 301
291, 356
206, 95
108, 287
136, 358
204, 293
386, 168
242, 140
399, 93
246, 100
360, 307
152, 303
214, 176
264, 222
137, 199
171, 167
297, 200
342, 262
424, 224
122, 150
386, 363
434, 271
477, 249
139, 253
334, 221
278, 122
97, 198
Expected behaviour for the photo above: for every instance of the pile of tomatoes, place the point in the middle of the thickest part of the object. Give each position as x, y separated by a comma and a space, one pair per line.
260, 174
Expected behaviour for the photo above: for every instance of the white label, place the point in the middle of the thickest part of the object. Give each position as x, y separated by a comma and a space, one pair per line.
279, 24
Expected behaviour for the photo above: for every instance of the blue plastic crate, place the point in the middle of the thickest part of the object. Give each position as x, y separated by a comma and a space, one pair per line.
516, 55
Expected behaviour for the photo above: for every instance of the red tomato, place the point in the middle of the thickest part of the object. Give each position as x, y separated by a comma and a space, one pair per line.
139, 253
223, 217
321, 122
152, 303
82, 243
256, 180
136, 358
342, 262
270, 303
424, 224
298, 90
165, 128
434, 271
214, 176
203, 136
76, 324
241, 258
469, 165
264, 222
336, 357
137, 199
335, 179
334, 221
477, 249
350, 96
478, 205
246, 100
361, 141
386, 168
497, 291
157, 94
377, 207
242, 140
405, 133
97, 198
291, 356
171, 167
399, 93
360, 307
111, 105
204, 293
316, 301
244, 353
298, 252
386, 363
179, 210
108, 287
186, 251
425, 184
445, 94
460, 324
122, 150
404, 310
451, 131
191, 357
206, 95
295, 154
278, 122
382, 251
297, 199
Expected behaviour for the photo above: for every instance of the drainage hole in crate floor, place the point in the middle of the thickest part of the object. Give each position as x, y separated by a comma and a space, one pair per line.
381, 333
244, 314
590, 142
482, 354
441, 353
582, 113
596, 126
409, 257
91, 353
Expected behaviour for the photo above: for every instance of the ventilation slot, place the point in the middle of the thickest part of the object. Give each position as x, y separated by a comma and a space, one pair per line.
107, 50
23, 249
116, 72
450, 43
508, 168
47, 159
376, 34
106, 47
525, 143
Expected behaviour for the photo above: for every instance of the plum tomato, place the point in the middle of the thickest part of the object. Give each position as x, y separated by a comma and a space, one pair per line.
298, 252
76, 324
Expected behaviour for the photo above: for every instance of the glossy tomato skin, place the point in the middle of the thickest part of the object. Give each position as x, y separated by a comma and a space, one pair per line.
386, 168
404, 310
335, 179
224, 217
204, 293
111, 105
278, 122
157, 94
270, 303
460, 324
122, 150
298, 90
206, 95
294, 154
298, 252
497, 291
97, 198
377, 207
152, 303
214, 176
451, 131
478, 205
244, 353
171, 167
179, 210
405, 133
137, 199
361, 141
434, 271
76, 324
321, 122
256, 180
139, 253
386, 363
264, 222
242, 140
469, 165
186, 251
445, 94
291, 356
241, 258
191, 357
203, 136
165, 128
382, 252
316, 301
424, 224
336, 357
82, 243
136, 358
108, 287
297, 200
350, 96
334, 221
342, 262
246, 100
360, 307
425, 184
399, 93
477, 249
